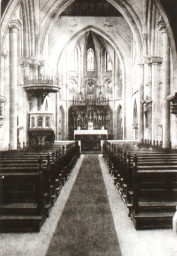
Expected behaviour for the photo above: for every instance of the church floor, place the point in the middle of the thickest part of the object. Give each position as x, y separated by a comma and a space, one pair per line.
132, 242
86, 226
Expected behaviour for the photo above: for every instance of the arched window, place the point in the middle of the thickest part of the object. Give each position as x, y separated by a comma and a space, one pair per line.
90, 60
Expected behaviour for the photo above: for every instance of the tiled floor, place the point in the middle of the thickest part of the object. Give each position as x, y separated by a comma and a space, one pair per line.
132, 242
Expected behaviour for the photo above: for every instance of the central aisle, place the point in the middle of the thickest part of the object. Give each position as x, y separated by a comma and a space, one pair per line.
86, 226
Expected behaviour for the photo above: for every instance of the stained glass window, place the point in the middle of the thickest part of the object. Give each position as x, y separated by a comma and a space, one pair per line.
90, 60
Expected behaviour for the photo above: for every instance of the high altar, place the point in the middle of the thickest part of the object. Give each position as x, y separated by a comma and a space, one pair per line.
90, 118
91, 140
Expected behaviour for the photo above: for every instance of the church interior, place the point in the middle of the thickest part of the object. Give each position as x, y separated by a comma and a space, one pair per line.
88, 120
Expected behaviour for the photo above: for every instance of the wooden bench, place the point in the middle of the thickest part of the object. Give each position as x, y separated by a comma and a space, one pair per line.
22, 207
147, 183
154, 196
30, 185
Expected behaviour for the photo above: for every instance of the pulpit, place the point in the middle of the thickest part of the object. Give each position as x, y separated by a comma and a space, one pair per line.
91, 140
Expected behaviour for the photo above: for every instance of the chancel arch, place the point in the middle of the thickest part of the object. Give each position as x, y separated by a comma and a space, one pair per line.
122, 8
135, 41
95, 86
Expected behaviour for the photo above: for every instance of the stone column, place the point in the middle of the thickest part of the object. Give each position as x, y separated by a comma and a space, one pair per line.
166, 86
116, 95
144, 28
156, 62
3, 70
113, 94
0, 44
147, 96
56, 116
13, 78
66, 130
98, 56
141, 98
149, 80
147, 75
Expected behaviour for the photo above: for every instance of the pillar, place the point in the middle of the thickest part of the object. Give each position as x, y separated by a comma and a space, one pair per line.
166, 86
149, 79
147, 95
156, 62
1, 40
13, 78
56, 117
3, 70
114, 94
66, 130
144, 27
141, 98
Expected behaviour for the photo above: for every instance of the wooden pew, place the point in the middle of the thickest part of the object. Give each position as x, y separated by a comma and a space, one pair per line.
22, 206
154, 196
31, 188
150, 194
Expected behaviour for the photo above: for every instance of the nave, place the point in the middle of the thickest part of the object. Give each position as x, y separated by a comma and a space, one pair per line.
132, 242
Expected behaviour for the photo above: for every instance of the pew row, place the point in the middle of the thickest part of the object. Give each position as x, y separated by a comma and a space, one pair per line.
147, 183
30, 184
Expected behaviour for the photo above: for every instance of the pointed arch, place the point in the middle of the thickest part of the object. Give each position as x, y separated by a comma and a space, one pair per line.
121, 5
98, 32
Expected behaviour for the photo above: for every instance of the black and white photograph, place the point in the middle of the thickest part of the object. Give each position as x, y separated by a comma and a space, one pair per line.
88, 128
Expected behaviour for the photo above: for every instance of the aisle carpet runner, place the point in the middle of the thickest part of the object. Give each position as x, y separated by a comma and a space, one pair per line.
86, 226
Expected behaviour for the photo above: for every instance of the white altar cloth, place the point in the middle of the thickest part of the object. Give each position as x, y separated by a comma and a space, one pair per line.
90, 132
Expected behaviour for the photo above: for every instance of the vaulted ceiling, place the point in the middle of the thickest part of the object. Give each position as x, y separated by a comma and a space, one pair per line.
90, 8
103, 8
170, 7
4, 4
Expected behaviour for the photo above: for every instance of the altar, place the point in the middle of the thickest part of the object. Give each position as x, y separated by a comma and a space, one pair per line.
91, 140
